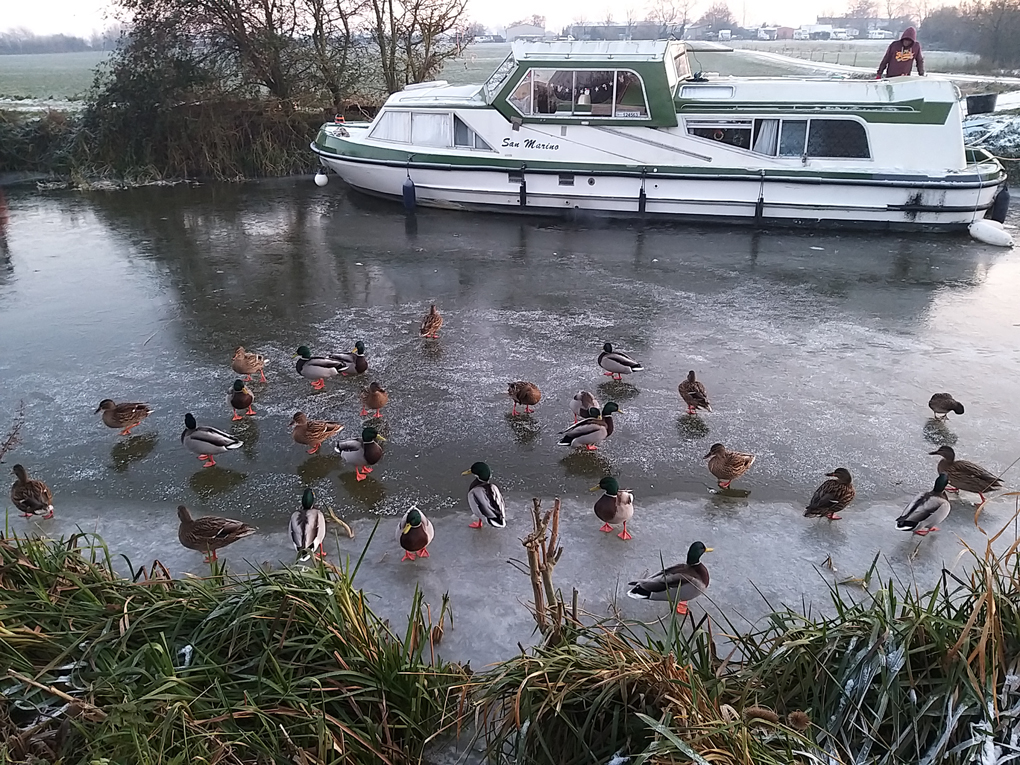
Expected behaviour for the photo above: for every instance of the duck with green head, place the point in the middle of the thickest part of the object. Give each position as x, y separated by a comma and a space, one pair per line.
240, 398
927, 510
308, 528
207, 442
355, 362
617, 363
317, 369
614, 507
415, 534
592, 431
682, 582
484, 498
361, 452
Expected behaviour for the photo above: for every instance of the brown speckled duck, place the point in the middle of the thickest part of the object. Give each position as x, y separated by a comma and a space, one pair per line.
431, 324
312, 432
126, 416
209, 534
832, 496
374, 397
965, 475
247, 364
726, 465
523, 392
694, 395
30, 496
943, 404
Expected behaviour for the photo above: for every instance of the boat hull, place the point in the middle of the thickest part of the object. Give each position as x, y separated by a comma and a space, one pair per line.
886, 203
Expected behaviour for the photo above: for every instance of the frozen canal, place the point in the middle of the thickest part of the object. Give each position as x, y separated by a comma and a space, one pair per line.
818, 351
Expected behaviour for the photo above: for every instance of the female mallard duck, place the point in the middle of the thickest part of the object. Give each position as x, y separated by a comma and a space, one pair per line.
928, 509
414, 534
694, 395
312, 432
209, 534
523, 392
832, 496
205, 441
355, 362
431, 324
592, 431
616, 363
247, 364
125, 416
965, 475
682, 582
484, 498
240, 398
374, 397
944, 403
361, 452
317, 369
30, 496
308, 528
726, 465
581, 403
615, 506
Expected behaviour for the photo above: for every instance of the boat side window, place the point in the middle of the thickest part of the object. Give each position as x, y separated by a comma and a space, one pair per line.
393, 126
730, 132
430, 129
586, 92
791, 144
839, 139
466, 138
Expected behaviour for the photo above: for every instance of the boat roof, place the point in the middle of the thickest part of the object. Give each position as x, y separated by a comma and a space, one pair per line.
803, 93
615, 50
437, 93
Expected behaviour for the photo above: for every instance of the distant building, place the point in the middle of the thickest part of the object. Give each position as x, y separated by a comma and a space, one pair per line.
784, 33
699, 32
524, 32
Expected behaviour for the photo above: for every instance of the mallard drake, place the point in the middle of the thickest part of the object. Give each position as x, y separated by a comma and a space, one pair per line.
317, 369
312, 432
205, 441
965, 475
694, 395
582, 402
616, 363
523, 392
431, 324
484, 498
30, 496
592, 431
415, 534
374, 397
683, 582
355, 362
944, 403
247, 364
125, 416
925, 511
362, 453
209, 534
239, 397
615, 506
832, 496
726, 465
308, 528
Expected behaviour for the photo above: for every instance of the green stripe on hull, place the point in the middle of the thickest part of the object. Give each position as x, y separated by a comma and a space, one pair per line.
916, 112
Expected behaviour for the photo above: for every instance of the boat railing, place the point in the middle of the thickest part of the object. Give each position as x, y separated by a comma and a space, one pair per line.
496, 80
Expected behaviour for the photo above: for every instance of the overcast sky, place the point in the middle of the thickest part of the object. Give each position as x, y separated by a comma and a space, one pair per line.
83, 16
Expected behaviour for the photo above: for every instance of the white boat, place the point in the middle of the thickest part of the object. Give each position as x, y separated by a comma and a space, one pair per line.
624, 128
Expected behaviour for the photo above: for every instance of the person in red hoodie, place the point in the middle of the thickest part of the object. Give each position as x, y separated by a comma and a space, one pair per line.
899, 59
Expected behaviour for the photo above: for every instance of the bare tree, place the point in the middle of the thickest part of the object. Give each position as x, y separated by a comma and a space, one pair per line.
334, 46
415, 37
862, 9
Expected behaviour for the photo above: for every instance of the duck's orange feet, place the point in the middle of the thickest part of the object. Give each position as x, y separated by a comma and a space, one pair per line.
922, 532
321, 553
360, 476
236, 417
624, 535
407, 556
247, 378
366, 470
724, 485
209, 463
514, 410
318, 384
575, 419
606, 528
378, 413
607, 374
314, 449
28, 515
681, 607
263, 375
476, 525
423, 553
251, 410
834, 517
591, 447
952, 488
363, 411
126, 431
528, 409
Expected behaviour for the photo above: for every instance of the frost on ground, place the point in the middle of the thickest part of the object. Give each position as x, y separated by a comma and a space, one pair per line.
998, 133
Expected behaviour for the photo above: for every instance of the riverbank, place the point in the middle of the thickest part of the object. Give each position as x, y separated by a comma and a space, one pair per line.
293, 662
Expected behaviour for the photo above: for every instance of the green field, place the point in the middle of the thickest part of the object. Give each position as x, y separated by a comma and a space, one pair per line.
864, 53
62, 76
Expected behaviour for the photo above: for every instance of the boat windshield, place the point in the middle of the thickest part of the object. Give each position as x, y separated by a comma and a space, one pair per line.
613, 93
498, 77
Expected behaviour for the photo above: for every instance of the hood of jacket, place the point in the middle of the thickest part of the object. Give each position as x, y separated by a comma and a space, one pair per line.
909, 34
